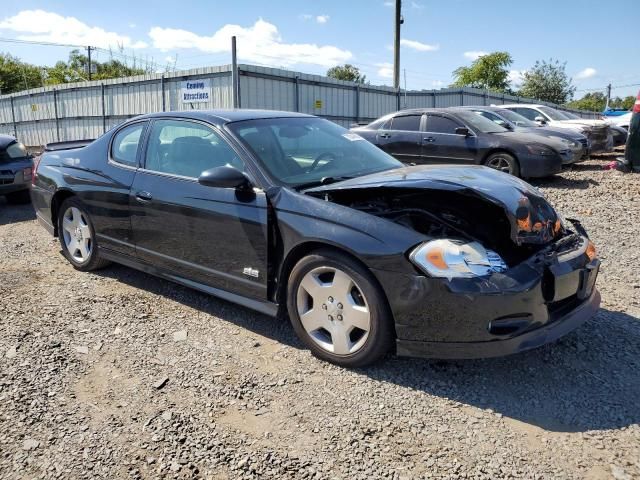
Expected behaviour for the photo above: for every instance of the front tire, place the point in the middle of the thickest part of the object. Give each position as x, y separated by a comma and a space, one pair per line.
338, 309
77, 236
503, 162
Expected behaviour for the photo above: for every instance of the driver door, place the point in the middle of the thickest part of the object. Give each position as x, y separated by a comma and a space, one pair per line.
214, 236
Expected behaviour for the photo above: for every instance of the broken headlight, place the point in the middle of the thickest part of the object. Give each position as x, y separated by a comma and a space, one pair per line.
456, 259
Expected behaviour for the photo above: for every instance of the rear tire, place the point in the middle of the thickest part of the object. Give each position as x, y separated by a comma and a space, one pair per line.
503, 162
77, 236
16, 198
338, 310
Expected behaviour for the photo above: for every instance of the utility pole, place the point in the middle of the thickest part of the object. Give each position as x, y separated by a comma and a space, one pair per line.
235, 79
396, 45
608, 96
89, 59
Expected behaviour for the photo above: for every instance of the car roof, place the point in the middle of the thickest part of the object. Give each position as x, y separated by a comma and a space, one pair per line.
223, 116
422, 110
6, 140
534, 105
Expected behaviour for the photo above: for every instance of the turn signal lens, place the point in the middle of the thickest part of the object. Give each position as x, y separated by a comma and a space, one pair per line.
436, 258
591, 250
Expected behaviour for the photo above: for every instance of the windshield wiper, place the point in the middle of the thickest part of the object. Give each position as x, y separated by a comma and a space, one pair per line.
322, 181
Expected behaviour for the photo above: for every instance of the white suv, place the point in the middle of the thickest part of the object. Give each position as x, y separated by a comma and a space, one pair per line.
597, 131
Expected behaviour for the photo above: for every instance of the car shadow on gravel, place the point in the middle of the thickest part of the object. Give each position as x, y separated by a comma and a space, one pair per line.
263, 325
15, 213
589, 380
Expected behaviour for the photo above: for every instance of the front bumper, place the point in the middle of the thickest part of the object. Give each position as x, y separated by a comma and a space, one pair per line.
537, 166
15, 176
531, 304
498, 348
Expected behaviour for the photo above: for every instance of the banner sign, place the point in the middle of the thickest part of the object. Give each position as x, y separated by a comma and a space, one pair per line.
195, 91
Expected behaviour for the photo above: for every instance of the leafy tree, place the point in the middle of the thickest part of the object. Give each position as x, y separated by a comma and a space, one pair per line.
548, 81
594, 102
489, 72
16, 75
76, 69
347, 72
625, 103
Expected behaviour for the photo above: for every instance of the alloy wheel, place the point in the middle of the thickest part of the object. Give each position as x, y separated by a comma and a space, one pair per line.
499, 162
333, 310
77, 234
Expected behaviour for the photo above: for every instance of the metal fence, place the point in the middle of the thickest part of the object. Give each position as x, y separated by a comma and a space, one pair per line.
86, 110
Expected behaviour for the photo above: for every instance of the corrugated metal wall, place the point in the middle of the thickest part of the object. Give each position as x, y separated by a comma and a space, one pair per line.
86, 110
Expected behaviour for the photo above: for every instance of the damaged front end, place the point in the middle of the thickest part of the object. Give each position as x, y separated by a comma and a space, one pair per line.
498, 270
501, 213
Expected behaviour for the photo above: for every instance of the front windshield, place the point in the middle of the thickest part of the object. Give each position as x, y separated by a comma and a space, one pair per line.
303, 151
571, 116
553, 114
479, 123
516, 118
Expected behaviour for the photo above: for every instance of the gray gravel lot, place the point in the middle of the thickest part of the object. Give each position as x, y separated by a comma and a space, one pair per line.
117, 374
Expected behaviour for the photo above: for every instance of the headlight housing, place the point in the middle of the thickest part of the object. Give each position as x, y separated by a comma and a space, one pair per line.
450, 258
539, 149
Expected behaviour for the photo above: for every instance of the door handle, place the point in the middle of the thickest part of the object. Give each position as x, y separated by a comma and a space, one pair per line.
144, 197
385, 135
429, 139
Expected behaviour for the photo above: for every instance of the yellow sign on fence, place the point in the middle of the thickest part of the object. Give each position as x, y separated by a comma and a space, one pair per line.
318, 104
34, 107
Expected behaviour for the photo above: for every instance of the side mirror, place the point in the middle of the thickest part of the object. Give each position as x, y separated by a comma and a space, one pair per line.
540, 119
224, 177
463, 131
507, 126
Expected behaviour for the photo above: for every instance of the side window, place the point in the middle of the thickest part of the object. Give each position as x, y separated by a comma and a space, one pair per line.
491, 116
438, 124
185, 148
124, 148
529, 113
406, 122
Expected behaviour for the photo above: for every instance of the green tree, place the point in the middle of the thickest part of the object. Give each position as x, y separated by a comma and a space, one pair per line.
490, 72
77, 67
347, 72
548, 81
625, 103
16, 75
594, 102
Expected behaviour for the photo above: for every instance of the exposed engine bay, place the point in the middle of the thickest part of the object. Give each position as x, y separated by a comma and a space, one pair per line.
450, 214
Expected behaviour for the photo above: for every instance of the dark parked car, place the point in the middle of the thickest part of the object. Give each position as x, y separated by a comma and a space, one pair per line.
577, 144
458, 135
16, 166
632, 151
282, 211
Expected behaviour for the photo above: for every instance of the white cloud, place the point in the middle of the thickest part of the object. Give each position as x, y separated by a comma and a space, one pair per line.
38, 25
132, 25
417, 6
389, 4
474, 54
258, 43
322, 18
306, 16
586, 73
437, 83
169, 59
419, 46
385, 70
516, 77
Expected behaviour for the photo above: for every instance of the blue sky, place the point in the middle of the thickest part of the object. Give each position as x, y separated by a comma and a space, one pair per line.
598, 40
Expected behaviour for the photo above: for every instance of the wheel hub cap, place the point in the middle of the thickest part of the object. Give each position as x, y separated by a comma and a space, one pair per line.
333, 310
76, 234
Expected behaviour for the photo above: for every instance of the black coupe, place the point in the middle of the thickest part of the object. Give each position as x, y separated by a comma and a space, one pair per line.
288, 212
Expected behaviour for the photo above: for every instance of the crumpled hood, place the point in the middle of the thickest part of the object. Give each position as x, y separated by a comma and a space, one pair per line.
533, 220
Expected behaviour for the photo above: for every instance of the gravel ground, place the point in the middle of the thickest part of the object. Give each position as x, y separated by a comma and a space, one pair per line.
117, 374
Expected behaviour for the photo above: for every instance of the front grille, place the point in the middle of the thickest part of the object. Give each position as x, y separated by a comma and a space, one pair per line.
6, 181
